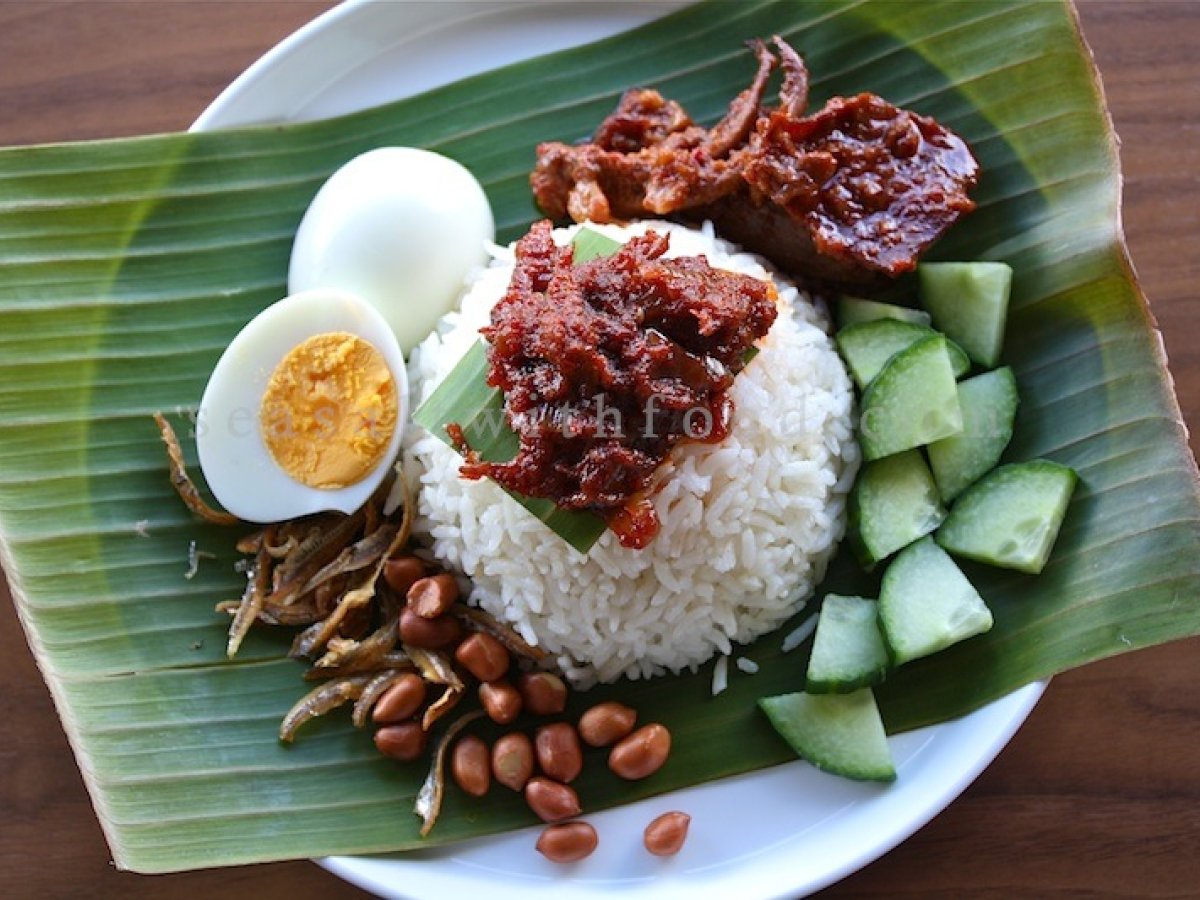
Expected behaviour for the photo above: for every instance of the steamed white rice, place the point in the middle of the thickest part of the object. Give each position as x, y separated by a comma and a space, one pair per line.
748, 525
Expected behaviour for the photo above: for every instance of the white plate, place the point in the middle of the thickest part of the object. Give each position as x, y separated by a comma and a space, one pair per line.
784, 832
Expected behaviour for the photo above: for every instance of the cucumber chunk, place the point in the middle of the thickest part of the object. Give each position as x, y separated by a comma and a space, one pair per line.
1011, 517
848, 652
913, 401
926, 604
989, 407
895, 501
969, 302
867, 347
838, 733
852, 310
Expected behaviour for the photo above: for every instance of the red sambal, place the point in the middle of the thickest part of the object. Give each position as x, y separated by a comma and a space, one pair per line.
607, 365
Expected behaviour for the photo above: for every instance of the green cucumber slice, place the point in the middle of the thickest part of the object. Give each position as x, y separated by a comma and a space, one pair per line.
969, 302
838, 733
852, 310
913, 401
894, 502
1011, 517
926, 604
867, 347
989, 407
848, 652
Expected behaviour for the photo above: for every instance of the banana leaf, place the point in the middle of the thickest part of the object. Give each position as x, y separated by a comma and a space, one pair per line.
126, 266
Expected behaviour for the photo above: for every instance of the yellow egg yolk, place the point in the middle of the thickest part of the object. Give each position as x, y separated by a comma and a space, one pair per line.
329, 411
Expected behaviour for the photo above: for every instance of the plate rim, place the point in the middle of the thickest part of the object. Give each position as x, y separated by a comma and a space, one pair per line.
1010, 711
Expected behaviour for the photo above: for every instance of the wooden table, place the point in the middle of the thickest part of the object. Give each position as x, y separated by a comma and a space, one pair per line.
1099, 793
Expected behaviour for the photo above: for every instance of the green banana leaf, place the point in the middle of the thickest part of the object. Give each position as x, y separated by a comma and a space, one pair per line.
126, 266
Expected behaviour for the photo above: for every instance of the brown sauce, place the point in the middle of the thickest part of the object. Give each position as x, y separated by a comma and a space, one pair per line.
608, 365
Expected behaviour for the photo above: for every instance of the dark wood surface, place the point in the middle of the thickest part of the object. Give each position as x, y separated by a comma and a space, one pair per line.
1099, 793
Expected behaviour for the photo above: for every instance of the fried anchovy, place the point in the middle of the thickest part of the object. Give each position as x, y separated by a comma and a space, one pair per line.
257, 587
295, 578
429, 799
320, 544
442, 705
393, 660
183, 484
336, 652
355, 557
479, 620
303, 611
375, 689
281, 551
372, 516
321, 700
308, 643
315, 638
295, 615
359, 656
434, 667
251, 543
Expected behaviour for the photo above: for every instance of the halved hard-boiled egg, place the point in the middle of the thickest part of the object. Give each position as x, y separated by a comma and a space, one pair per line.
400, 227
305, 410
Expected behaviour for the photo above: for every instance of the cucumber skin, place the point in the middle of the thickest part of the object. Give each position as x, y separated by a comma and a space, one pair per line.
979, 492
843, 685
780, 710
853, 341
949, 290
853, 310
881, 446
866, 548
948, 457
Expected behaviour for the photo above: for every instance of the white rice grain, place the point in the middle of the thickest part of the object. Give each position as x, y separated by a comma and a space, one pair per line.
799, 634
720, 679
747, 665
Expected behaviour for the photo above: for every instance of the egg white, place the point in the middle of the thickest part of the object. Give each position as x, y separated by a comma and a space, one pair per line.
235, 459
400, 227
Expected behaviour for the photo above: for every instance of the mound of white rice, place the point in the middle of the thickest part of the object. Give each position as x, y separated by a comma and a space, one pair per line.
748, 525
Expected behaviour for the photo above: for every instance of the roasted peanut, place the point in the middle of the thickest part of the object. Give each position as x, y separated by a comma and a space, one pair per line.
568, 842
401, 701
666, 834
642, 753
551, 801
483, 656
428, 634
402, 572
512, 760
404, 742
543, 692
558, 751
470, 765
606, 723
433, 596
500, 700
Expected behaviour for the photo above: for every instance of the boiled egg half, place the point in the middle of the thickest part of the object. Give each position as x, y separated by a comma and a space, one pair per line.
400, 227
305, 410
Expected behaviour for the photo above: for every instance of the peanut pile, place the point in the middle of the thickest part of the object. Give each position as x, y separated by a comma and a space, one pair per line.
540, 767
